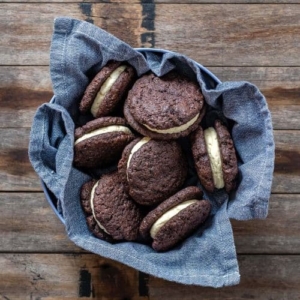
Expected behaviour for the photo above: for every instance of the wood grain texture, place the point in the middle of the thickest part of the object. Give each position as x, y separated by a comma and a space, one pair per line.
58, 276
28, 224
229, 35
24, 88
17, 174
26, 40
287, 162
215, 34
278, 233
262, 277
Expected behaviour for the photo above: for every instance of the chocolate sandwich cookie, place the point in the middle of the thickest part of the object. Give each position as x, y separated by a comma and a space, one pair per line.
166, 107
85, 198
100, 142
152, 170
111, 214
175, 219
107, 89
215, 157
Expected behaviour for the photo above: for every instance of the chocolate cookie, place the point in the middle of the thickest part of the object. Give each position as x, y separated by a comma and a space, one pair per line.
152, 170
107, 89
85, 198
175, 219
166, 107
215, 157
111, 213
100, 142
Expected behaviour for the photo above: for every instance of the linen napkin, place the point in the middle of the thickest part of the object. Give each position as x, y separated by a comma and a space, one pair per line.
208, 258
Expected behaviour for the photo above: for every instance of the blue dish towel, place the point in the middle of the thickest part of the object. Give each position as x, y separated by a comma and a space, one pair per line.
207, 258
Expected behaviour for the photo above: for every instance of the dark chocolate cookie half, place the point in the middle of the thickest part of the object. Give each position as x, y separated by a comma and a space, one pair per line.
228, 155
215, 157
166, 107
115, 214
201, 159
85, 199
152, 170
107, 88
175, 219
101, 142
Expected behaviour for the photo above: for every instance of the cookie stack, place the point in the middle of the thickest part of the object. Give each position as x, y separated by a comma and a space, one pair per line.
138, 127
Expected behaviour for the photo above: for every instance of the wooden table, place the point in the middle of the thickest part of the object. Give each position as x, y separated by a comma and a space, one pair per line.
258, 41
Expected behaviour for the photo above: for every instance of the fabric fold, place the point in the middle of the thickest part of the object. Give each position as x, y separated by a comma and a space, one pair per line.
51, 146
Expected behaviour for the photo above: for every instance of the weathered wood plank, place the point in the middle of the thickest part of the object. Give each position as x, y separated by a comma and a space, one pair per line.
262, 277
26, 40
287, 162
278, 233
269, 36
57, 276
221, 35
23, 89
28, 224
16, 173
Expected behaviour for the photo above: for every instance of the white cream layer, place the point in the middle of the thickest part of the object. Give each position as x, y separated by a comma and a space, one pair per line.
160, 222
175, 129
106, 86
112, 128
136, 147
213, 150
92, 206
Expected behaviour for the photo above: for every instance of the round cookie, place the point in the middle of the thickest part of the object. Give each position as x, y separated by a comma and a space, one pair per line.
175, 219
107, 88
111, 213
101, 142
215, 157
152, 170
166, 107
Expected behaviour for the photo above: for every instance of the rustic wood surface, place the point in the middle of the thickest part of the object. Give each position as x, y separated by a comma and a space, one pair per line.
76, 276
216, 34
253, 40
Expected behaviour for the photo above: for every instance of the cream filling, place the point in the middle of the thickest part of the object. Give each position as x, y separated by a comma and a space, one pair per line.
160, 222
106, 86
92, 206
136, 147
213, 150
175, 129
112, 128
